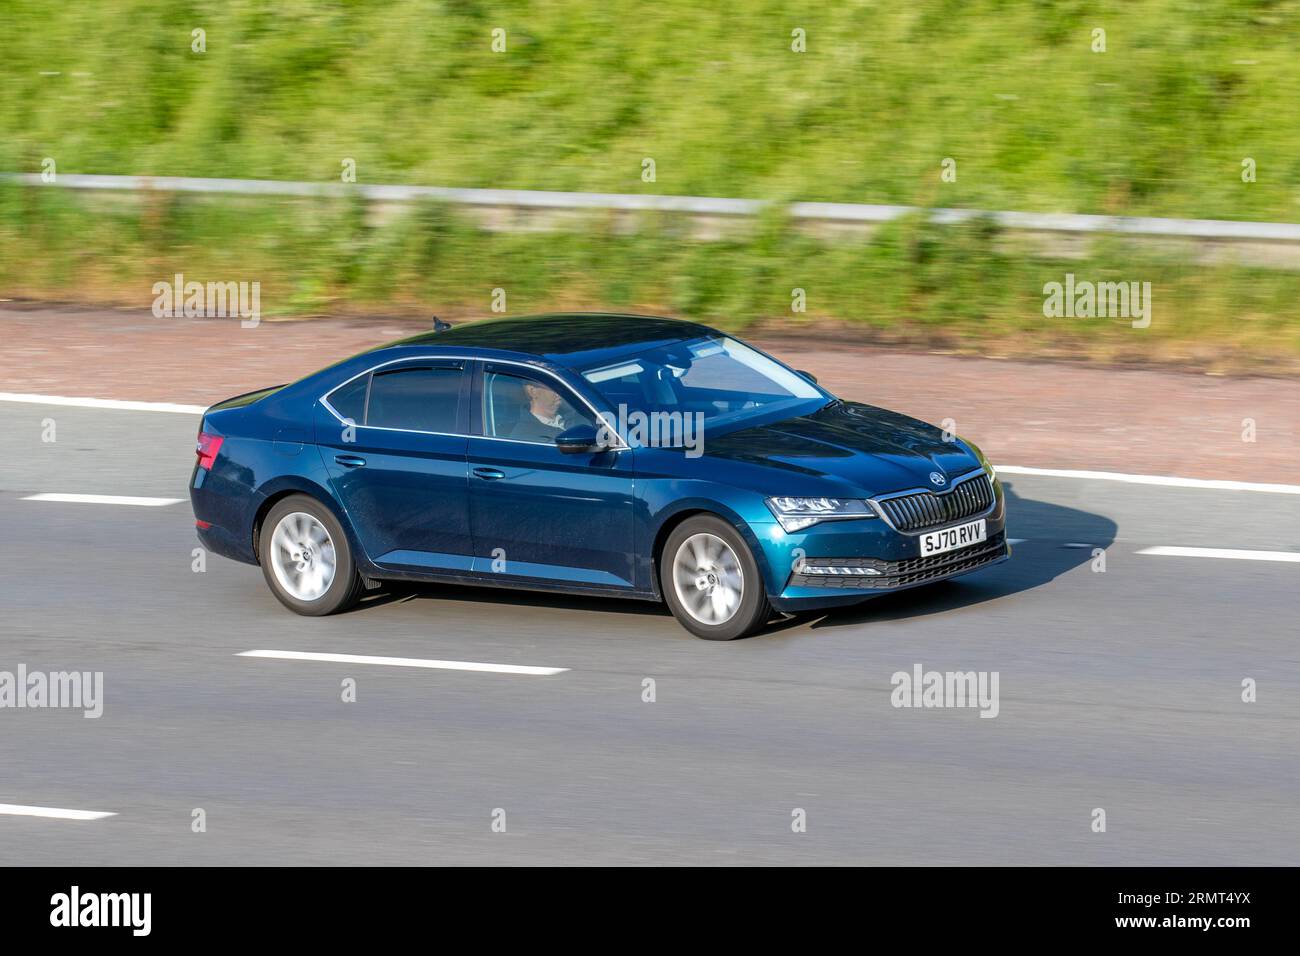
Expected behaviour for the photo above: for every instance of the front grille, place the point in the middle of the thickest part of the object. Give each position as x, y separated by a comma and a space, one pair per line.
924, 509
897, 574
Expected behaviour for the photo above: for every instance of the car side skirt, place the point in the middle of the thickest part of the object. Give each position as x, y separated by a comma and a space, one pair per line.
373, 572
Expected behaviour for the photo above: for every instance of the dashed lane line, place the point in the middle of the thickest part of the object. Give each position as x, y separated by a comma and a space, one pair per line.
1234, 554
407, 662
105, 500
53, 813
110, 403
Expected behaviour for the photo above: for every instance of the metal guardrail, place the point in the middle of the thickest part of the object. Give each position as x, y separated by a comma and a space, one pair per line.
847, 213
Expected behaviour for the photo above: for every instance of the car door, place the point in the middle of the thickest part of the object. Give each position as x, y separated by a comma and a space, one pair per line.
401, 470
537, 513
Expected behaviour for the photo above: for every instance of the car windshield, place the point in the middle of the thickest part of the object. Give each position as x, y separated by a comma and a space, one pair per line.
716, 380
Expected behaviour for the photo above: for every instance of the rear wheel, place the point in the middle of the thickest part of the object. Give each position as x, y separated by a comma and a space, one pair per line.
306, 559
711, 581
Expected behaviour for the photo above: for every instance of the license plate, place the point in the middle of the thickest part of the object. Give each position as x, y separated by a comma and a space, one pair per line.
950, 539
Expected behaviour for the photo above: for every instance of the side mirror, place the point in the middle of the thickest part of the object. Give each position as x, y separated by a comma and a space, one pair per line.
576, 440
808, 375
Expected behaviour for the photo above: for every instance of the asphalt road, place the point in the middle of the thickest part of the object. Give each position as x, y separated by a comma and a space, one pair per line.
1118, 690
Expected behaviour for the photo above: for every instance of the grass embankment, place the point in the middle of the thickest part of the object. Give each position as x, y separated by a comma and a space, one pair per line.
412, 92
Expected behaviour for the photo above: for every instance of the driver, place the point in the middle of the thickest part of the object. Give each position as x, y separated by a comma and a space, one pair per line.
543, 419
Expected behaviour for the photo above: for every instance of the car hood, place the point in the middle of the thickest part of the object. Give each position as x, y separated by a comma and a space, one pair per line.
873, 449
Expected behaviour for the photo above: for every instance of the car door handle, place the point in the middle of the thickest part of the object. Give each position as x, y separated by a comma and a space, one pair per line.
490, 474
349, 461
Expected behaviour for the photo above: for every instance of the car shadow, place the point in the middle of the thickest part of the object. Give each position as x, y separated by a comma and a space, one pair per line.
1057, 539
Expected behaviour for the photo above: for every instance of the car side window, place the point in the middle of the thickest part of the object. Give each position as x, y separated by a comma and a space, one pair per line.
349, 400
417, 399
527, 409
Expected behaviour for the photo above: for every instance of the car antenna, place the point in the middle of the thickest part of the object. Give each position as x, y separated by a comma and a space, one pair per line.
439, 325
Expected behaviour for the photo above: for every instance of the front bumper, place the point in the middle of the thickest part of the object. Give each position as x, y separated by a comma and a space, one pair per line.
892, 575
808, 590
845, 562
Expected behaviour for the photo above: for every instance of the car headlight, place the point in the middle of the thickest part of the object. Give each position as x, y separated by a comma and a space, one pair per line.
795, 514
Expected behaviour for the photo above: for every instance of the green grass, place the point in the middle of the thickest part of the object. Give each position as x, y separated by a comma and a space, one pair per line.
960, 288
411, 91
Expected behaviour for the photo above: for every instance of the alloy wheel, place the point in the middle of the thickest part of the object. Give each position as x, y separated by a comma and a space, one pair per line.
302, 556
708, 578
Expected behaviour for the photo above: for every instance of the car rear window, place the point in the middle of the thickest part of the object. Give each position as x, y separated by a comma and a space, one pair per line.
350, 400
419, 399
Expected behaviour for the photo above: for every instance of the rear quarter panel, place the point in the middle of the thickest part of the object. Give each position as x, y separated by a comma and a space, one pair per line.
268, 450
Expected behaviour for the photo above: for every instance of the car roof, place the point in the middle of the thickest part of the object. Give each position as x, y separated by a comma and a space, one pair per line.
571, 339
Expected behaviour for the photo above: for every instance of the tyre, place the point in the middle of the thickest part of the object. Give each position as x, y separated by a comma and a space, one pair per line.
306, 559
711, 581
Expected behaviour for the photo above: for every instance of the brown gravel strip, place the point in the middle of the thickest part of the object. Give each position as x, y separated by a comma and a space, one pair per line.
1148, 421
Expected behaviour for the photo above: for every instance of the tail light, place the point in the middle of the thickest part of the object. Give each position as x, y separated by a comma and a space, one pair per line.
206, 448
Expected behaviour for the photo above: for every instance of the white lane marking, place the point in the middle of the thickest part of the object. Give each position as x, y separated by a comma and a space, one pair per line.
1203, 483
105, 500
53, 813
1173, 482
1016, 540
407, 662
119, 404
1238, 555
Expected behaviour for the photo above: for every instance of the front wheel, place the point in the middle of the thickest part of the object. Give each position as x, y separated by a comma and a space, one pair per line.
711, 581
306, 559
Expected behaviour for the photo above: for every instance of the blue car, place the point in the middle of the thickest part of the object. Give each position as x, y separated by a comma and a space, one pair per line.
615, 455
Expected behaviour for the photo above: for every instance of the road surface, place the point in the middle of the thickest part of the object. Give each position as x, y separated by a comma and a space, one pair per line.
1119, 689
